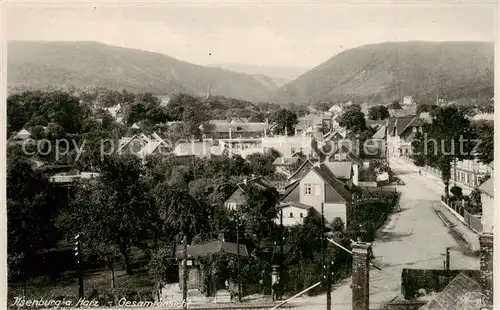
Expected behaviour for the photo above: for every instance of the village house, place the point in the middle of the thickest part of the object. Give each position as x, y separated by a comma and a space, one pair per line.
238, 197
287, 146
487, 202
400, 132
222, 129
142, 145
293, 213
470, 172
319, 188
343, 154
195, 253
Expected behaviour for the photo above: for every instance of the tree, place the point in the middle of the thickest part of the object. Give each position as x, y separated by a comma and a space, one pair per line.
322, 106
449, 138
115, 209
378, 112
261, 164
353, 119
395, 105
260, 211
31, 211
484, 130
424, 107
286, 121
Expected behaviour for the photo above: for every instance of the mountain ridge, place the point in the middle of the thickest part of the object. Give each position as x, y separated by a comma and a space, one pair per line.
388, 71
88, 64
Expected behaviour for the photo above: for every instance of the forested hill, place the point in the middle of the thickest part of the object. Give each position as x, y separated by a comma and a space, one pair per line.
389, 71
62, 65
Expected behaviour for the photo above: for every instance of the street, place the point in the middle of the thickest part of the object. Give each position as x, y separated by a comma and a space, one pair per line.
412, 238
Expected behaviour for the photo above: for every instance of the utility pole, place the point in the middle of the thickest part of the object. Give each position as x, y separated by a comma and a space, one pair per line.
327, 267
79, 266
184, 274
329, 286
448, 259
238, 254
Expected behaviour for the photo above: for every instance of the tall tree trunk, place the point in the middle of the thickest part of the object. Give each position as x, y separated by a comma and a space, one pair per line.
126, 257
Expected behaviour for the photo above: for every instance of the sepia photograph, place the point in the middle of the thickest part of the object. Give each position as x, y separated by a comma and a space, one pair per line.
249, 155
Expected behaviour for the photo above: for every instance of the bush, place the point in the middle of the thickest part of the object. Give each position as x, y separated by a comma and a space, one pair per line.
456, 190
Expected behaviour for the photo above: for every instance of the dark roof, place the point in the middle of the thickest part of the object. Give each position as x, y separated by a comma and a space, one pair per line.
332, 181
381, 132
340, 169
238, 195
209, 248
349, 154
294, 204
291, 194
301, 171
286, 161
461, 293
397, 125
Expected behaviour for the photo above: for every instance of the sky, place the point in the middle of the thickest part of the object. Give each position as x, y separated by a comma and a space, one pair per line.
276, 34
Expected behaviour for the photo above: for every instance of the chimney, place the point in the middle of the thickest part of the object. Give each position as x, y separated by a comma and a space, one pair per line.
245, 181
486, 268
361, 254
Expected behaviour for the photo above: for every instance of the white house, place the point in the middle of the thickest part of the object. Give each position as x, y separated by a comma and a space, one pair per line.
318, 187
293, 213
400, 132
488, 204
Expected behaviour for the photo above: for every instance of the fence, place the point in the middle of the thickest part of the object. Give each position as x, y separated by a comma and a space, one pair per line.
458, 209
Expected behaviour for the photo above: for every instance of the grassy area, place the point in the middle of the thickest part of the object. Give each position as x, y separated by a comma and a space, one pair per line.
97, 284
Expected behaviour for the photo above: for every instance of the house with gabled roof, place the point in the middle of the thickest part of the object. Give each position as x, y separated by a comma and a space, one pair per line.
239, 196
343, 154
319, 186
293, 213
142, 145
400, 132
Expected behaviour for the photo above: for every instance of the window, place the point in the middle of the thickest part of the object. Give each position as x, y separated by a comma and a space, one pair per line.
301, 215
337, 156
317, 189
420, 129
308, 189
414, 129
343, 156
291, 214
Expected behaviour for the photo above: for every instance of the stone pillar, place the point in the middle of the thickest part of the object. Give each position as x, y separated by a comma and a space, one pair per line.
361, 254
486, 268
